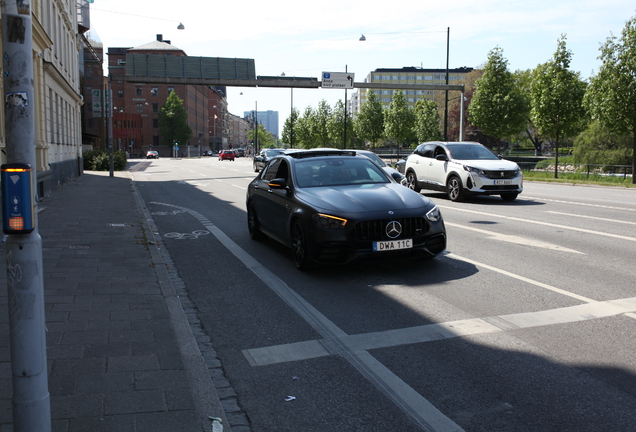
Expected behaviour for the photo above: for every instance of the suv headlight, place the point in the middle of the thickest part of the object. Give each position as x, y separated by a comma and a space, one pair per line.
474, 170
328, 222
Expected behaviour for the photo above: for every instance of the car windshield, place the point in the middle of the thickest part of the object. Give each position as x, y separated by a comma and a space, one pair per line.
335, 171
272, 153
470, 152
375, 158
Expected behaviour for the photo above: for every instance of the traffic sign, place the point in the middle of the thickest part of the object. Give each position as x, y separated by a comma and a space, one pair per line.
339, 80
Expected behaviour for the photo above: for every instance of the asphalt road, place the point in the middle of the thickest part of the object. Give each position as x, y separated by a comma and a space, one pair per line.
527, 323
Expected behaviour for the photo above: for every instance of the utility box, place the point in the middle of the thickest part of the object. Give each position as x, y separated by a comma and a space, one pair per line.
17, 198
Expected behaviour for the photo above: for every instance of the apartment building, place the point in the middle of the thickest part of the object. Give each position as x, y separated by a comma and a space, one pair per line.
57, 28
407, 76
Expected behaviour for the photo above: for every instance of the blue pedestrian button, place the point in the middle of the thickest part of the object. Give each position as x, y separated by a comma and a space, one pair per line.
17, 198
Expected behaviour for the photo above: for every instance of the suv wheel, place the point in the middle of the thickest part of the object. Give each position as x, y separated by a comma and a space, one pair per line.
411, 180
455, 189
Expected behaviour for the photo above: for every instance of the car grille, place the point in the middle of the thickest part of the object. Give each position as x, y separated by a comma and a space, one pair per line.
500, 174
375, 230
500, 187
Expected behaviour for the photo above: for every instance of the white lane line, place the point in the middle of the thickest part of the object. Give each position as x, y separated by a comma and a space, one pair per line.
515, 239
522, 278
419, 410
593, 217
565, 227
448, 330
579, 203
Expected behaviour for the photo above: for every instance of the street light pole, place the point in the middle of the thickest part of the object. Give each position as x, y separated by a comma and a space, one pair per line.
446, 91
25, 284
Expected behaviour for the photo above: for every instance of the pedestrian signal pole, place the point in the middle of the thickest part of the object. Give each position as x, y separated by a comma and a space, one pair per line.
25, 285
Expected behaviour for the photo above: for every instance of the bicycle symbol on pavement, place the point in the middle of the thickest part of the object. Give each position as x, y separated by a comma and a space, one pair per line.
183, 236
172, 213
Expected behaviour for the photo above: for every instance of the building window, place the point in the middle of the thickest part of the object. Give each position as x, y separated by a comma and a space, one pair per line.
120, 93
155, 140
419, 77
140, 107
140, 91
428, 77
170, 89
155, 123
154, 91
155, 107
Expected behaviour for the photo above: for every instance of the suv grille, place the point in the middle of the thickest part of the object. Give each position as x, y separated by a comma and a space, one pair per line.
500, 174
375, 230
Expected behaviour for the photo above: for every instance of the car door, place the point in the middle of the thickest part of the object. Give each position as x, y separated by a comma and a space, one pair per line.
423, 159
274, 204
438, 168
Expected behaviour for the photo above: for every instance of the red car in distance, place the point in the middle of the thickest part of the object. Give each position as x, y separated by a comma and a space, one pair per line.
227, 154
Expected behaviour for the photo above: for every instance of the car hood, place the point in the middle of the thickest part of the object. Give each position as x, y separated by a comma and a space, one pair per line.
362, 198
489, 165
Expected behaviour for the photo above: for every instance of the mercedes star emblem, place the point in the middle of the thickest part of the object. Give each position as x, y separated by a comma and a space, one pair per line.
393, 229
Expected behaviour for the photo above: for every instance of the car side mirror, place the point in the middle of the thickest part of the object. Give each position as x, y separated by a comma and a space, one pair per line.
278, 183
397, 176
441, 157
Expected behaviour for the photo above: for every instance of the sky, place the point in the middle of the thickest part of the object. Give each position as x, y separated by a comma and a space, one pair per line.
304, 39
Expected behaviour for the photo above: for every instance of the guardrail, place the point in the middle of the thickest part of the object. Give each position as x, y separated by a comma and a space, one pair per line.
587, 169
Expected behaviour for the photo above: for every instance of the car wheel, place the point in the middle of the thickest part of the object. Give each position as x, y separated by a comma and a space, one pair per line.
255, 168
411, 180
455, 189
300, 248
511, 196
252, 223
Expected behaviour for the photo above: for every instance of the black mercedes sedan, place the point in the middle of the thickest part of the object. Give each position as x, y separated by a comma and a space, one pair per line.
331, 207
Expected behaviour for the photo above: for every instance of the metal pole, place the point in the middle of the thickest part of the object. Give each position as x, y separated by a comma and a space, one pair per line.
461, 117
344, 143
446, 91
109, 108
31, 401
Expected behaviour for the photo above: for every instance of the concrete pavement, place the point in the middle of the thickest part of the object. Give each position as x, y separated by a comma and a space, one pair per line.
122, 355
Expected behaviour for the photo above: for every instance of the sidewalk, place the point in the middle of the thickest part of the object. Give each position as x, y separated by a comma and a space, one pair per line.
121, 354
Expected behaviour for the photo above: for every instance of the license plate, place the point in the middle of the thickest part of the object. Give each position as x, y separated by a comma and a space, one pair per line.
392, 245
503, 182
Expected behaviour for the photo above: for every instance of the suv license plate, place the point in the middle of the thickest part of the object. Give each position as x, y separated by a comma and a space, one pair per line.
503, 182
392, 245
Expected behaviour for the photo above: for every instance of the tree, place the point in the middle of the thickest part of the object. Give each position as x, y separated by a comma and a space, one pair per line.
336, 126
290, 128
600, 145
557, 99
304, 129
369, 124
427, 118
524, 83
173, 122
497, 105
611, 95
320, 130
265, 138
399, 120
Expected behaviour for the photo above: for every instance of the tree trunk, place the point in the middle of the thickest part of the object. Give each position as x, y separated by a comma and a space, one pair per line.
556, 157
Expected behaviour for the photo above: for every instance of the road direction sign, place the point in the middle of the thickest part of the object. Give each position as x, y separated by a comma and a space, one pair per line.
339, 80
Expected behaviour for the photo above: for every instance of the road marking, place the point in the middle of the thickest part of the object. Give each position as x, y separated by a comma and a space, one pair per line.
417, 408
515, 239
448, 330
579, 203
593, 217
522, 278
565, 227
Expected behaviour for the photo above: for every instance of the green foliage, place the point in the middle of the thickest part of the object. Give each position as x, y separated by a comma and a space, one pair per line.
369, 124
290, 129
427, 119
498, 106
265, 138
399, 120
336, 126
611, 96
173, 122
99, 160
599, 145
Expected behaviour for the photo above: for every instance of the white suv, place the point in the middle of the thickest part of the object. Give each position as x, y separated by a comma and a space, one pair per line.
462, 169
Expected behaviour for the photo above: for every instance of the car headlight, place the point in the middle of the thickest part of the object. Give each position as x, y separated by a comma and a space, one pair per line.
434, 215
474, 170
328, 222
